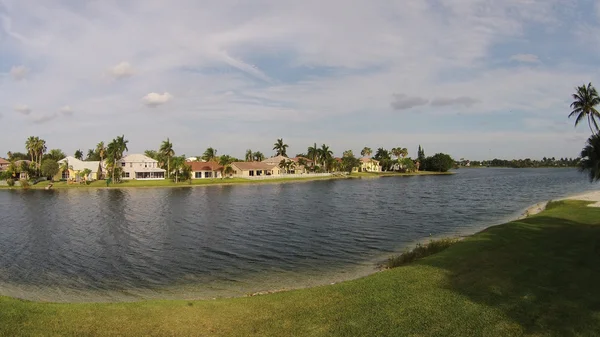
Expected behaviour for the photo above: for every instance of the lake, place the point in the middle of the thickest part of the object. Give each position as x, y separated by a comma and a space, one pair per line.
221, 241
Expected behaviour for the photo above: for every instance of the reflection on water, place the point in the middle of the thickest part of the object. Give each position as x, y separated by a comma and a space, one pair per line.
130, 244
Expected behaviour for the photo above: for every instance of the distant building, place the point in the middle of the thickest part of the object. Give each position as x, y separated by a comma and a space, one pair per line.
140, 167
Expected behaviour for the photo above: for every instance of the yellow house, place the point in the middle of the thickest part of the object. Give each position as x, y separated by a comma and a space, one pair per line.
254, 169
368, 165
75, 167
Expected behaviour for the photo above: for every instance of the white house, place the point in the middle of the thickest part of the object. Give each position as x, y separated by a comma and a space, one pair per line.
140, 167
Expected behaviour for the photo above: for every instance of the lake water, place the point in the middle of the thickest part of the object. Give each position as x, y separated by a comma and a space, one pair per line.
220, 241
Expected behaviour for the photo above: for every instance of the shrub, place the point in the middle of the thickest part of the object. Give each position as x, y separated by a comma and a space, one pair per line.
440, 162
10, 182
420, 251
24, 184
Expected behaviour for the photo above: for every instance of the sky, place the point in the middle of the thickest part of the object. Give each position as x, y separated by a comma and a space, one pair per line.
473, 78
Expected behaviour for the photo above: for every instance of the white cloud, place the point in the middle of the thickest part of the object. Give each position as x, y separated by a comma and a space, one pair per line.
66, 110
18, 72
154, 99
23, 109
121, 70
525, 58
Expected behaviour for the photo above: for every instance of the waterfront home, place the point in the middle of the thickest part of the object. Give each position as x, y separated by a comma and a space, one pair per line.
368, 165
140, 167
4, 164
254, 169
21, 166
75, 167
205, 170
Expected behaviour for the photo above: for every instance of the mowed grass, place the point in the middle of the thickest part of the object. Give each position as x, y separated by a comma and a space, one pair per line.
539, 276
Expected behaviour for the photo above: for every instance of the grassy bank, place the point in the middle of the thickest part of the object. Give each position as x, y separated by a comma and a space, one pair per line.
207, 182
537, 276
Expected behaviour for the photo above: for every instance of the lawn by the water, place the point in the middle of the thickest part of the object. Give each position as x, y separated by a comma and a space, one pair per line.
539, 276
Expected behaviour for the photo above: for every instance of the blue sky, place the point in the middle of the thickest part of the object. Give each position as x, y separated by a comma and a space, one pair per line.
466, 77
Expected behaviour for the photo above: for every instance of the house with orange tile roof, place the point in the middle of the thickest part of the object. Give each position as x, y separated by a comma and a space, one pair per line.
205, 170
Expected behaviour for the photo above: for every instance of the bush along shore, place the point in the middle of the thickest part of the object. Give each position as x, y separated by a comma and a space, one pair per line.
536, 276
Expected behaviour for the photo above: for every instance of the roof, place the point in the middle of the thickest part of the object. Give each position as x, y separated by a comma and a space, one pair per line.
137, 158
19, 162
4, 161
253, 165
275, 160
205, 166
296, 159
367, 159
80, 165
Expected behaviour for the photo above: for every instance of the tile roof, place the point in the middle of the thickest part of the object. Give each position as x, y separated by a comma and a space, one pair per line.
275, 160
4, 161
205, 166
253, 165
367, 159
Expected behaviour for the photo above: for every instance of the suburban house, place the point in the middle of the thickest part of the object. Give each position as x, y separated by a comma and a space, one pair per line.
204, 170
368, 165
140, 167
295, 169
22, 174
254, 169
76, 166
4, 164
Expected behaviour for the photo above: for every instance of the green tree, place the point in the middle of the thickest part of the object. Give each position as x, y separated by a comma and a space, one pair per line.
64, 166
227, 171
348, 153
249, 155
78, 155
166, 149
92, 155
349, 163
585, 100
325, 154
258, 156
313, 154
210, 154
101, 151
366, 152
55, 154
114, 152
30, 145
49, 168
85, 174
440, 162
225, 160
280, 148
590, 158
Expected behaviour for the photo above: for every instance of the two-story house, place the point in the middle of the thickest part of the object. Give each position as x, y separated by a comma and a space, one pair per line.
140, 167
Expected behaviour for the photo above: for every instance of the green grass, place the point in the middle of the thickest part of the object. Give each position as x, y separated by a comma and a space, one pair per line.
539, 276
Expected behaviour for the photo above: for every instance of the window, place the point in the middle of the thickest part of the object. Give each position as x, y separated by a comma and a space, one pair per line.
125, 175
65, 175
251, 173
207, 174
123, 164
198, 175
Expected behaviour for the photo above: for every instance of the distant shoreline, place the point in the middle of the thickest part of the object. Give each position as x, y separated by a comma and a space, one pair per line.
128, 184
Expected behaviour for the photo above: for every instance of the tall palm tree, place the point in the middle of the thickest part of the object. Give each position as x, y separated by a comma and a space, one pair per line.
101, 150
404, 152
56, 154
396, 151
115, 151
249, 155
166, 149
590, 155
78, 155
366, 152
584, 106
210, 154
325, 154
313, 153
30, 145
280, 148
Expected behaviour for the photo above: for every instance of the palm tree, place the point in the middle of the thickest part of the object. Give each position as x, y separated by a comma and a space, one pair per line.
101, 150
115, 151
227, 170
396, 151
366, 152
78, 155
210, 154
56, 154
30, 145
258, 156
280, 148
249, 155
591, 158
65, 166
584, 106
313, 153
166, 149
325, 154
404, 152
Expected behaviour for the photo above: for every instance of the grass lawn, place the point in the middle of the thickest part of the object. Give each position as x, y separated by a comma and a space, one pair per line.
539, 276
